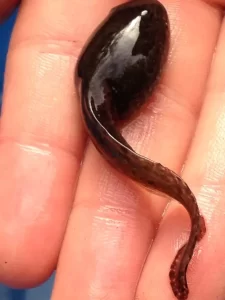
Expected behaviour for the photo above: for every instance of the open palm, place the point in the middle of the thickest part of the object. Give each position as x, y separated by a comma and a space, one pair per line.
115, 240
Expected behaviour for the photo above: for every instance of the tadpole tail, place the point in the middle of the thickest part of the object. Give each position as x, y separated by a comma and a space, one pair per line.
153, 176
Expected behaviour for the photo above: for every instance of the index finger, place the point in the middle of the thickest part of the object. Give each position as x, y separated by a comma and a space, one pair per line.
42, 139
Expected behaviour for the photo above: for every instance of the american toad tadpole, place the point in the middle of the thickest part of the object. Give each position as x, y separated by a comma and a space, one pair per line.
119, 68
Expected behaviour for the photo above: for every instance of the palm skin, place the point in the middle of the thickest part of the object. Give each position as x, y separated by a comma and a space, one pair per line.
100, 224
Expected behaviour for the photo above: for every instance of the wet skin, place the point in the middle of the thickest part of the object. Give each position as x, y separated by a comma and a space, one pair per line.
119, 69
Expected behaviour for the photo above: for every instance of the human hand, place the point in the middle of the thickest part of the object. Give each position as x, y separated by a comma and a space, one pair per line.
112, 223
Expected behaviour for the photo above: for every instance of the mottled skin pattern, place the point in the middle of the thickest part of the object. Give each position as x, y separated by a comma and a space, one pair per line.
119, 69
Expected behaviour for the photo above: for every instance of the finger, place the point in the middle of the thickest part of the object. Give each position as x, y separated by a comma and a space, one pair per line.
208, 180
111, 225
201, 160
41, 138
6, 8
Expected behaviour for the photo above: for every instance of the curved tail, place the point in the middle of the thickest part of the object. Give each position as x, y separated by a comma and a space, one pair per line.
152, 176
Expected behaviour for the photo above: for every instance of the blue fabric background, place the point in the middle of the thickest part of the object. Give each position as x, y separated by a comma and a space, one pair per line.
44, 291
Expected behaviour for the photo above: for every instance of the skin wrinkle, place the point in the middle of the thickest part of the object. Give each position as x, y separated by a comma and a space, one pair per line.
213, 187
27, 203
130, 204
62, 47
35, 182
107, 240
214, 170
115, 213
209, 195
112, 188
144, 128
169, 96
133, 200
37, 105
